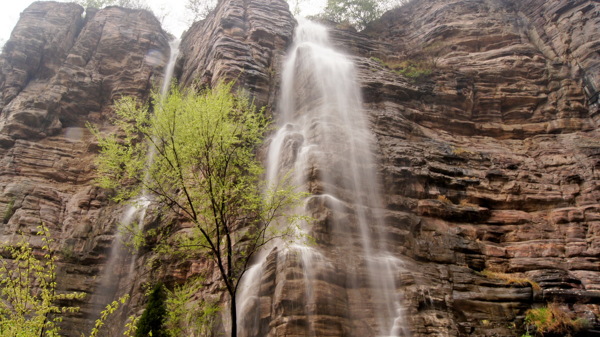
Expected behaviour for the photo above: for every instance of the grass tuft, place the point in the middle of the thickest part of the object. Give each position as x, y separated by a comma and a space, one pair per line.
510, 279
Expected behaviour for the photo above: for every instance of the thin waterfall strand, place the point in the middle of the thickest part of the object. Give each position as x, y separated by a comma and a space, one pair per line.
135, 212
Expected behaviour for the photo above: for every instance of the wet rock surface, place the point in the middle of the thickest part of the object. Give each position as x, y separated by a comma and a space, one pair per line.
488, 162
488, 154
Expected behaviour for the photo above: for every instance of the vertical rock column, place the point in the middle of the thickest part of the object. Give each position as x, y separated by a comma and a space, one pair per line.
243, 41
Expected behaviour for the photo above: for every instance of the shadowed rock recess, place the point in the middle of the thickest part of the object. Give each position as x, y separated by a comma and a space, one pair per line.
485, 114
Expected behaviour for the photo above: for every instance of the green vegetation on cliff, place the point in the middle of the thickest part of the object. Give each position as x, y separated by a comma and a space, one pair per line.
553, 320
151, 323
30, 304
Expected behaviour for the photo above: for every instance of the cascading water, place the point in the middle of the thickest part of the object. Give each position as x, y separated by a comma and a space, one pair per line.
113, 275
325, 141
140, 205
170, 67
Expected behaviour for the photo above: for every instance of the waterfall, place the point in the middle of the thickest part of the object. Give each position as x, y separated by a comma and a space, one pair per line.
139, 206
170, 67
114, 275
325, 141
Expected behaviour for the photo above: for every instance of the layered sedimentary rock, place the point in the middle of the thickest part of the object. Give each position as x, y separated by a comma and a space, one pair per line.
488, 156
489, 162
241, 41
59, 71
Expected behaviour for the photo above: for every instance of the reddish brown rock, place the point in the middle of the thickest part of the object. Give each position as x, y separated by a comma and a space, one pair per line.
106, 59
506, 123
59, 71
241, 41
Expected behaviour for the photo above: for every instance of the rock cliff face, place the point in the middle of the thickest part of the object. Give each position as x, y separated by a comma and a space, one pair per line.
487, 152
60, 70
490, 162
242, 41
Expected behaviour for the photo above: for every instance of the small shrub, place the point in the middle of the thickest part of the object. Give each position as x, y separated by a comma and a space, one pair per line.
411, 68
541, 318
29, 302
457, 150
553, 319
9, 211
378, 60
67, 253
187, 316
28, 296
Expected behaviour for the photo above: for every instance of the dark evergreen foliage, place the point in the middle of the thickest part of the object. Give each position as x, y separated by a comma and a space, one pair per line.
153, 318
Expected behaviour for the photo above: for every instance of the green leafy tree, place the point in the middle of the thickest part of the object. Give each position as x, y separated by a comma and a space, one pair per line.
355, 12
359, 12
152, 320
205, 169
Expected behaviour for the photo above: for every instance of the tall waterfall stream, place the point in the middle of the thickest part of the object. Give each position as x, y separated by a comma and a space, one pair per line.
325, 142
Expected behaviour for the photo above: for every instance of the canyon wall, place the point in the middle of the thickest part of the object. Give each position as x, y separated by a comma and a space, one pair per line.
487, 152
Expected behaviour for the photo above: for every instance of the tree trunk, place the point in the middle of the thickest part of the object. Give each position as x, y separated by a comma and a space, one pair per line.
233, 314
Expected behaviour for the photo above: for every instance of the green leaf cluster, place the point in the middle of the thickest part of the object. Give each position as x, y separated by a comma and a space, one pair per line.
414, 69
9, 210
108, 310
552, 319
28, 297
29, 301
356, 12
187, 316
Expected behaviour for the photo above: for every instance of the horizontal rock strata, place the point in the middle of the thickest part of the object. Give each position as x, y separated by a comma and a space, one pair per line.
60, 70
